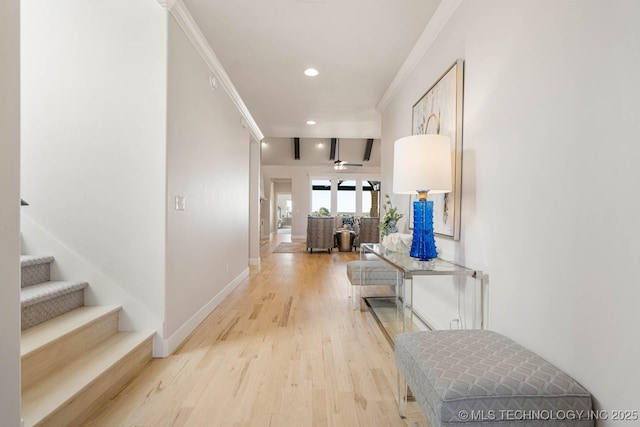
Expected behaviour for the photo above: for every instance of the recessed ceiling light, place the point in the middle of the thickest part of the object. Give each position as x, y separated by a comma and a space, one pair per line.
311, 72
311, 122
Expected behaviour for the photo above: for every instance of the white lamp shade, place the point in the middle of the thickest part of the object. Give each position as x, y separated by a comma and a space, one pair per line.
422, 163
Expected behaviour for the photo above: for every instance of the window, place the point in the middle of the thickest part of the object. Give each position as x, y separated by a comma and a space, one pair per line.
347, 198
320, 196
336, 195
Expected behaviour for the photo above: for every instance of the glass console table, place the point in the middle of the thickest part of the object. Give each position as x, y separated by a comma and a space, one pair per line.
409, 268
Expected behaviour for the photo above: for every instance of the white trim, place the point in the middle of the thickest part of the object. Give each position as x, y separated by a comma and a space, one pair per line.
185, 20
254, 261
167, 4
351, 177
437, 22
164, 348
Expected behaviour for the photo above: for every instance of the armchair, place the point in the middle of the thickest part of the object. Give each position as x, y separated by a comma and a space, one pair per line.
369, 232
320, 233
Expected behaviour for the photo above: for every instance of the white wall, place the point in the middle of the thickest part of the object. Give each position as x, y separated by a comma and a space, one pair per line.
9, 212
254, 201
93, 147
550, 171
265, 207
208, 163
282, 187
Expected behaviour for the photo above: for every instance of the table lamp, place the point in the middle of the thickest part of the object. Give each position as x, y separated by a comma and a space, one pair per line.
422, 163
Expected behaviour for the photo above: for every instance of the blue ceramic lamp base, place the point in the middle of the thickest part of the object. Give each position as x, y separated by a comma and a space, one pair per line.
423, 245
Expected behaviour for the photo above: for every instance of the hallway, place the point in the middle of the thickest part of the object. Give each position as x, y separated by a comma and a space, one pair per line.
284, 349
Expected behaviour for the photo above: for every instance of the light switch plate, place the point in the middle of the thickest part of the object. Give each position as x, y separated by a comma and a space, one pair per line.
181, 203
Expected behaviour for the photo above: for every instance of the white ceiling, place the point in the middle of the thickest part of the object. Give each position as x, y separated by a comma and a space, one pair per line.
357, 46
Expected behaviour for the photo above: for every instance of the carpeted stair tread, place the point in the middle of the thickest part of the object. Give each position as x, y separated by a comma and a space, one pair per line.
28, 260
35, 269
82, 378
34, 294
44, 334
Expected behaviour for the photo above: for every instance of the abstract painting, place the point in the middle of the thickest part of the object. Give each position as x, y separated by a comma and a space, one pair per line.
444, 99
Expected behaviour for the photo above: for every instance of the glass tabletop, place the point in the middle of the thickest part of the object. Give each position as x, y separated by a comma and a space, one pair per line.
413, 267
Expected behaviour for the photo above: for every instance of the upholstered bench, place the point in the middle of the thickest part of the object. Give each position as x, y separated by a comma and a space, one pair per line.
367, 273
467, 377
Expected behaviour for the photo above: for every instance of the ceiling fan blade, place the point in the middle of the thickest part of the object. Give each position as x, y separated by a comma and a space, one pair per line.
341, 165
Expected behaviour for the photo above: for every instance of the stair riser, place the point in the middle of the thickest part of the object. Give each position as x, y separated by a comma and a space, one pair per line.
98, 393
34, 274
57, 354
45, 310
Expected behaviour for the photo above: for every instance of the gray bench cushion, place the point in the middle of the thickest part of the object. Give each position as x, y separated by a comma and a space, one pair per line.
374, 273
479, 371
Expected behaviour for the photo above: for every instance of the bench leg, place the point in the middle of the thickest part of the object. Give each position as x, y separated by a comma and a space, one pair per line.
403, 396
363, 304
354, 296
357, 298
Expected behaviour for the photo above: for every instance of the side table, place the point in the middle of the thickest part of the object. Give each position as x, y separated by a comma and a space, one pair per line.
409, 268
345, 240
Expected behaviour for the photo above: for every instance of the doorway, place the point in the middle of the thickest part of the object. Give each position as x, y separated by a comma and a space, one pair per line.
284, 213
282, 206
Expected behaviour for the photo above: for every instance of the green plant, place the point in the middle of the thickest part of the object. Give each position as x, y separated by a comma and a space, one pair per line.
323, 212
391, 214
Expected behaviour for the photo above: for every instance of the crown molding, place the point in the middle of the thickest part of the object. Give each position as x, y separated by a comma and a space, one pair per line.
435, 25
167, 4
185, 20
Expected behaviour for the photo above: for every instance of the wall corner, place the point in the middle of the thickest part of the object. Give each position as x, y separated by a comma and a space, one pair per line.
167, 4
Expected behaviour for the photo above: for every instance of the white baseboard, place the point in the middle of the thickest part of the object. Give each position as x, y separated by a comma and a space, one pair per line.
164, 348
254, 261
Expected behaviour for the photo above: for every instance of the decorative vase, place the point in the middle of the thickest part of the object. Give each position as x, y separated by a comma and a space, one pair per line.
392, 226
423, 245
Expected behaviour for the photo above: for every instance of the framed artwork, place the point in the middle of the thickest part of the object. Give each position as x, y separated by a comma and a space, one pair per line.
444, 99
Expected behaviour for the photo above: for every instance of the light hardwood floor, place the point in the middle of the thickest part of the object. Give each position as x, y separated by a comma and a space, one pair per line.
284, 349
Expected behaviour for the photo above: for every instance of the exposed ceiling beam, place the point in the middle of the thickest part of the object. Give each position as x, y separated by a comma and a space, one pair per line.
296, 148
367, 150
332, 153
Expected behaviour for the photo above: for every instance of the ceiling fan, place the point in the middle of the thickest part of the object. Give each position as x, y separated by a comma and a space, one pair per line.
338, 164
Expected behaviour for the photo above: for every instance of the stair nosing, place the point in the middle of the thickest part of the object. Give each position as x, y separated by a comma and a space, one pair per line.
29, 260
73, 285
31, 343
71, 375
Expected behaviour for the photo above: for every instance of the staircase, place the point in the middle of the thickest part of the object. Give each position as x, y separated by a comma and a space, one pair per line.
42, 299
74, 358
